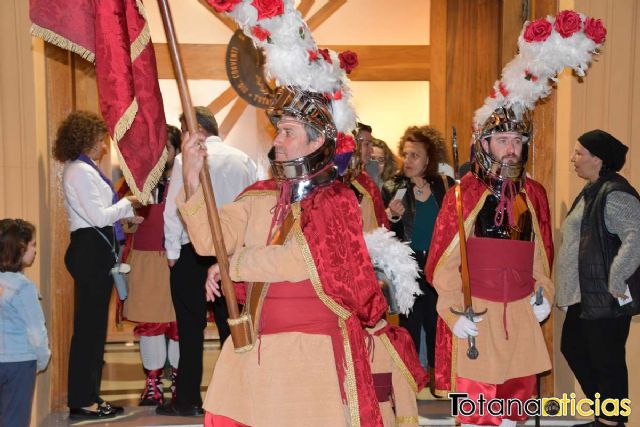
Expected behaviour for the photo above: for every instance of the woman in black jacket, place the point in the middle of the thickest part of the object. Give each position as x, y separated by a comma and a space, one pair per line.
413, 200
597, 274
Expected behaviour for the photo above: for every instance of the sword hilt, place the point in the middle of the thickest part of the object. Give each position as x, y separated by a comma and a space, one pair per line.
469, 313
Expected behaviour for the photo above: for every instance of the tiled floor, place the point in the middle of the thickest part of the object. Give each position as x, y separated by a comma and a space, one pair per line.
123, 380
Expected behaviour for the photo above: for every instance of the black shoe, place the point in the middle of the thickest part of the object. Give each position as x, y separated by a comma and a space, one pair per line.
86, 414
108, 407
169, 409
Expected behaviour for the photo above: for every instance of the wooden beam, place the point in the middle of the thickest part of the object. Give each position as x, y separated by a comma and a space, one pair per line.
234, 114
324, 13
305, 6
59, 87
222, 100
230, 23
438, 64
377, 63
201, 61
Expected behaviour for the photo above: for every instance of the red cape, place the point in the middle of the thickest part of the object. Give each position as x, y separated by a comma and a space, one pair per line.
444, 231
378, 205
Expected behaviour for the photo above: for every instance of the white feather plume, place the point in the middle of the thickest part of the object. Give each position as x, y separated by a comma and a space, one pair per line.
393, 257
287, 51
529, 76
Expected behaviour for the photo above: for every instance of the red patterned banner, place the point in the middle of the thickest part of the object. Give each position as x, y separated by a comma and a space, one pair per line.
114, 35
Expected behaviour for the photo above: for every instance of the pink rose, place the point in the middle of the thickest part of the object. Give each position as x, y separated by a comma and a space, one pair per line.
538, 31
595, 30
268, 8
260, 33
567, 23
222, 6
348, 60
325, 55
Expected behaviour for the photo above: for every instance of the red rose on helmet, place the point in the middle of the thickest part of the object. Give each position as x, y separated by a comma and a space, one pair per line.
268, 8
345, 143
595, 30
567, 23
222, 6
538, 30
260, 33
348, 60
325, 55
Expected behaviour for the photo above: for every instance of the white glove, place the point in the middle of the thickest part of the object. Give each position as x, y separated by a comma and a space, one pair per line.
464, 328
541, 311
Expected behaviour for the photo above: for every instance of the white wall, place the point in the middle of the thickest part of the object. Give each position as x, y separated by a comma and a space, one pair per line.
389, 107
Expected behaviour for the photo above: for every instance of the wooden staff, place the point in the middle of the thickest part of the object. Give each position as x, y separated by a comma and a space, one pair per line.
469, 313
240, 326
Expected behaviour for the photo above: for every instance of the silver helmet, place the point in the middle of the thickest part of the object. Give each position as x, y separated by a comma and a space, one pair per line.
312, 109
493, 171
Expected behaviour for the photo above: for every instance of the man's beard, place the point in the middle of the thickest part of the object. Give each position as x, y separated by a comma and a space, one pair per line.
510, 159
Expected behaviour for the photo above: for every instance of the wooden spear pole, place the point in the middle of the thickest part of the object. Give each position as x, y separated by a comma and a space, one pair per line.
241, 332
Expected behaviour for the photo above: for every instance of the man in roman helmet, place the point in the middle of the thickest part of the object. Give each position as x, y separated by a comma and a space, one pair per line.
509, 250
309, 365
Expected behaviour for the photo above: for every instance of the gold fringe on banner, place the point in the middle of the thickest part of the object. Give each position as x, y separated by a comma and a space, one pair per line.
152, 180
143, 38
56, 39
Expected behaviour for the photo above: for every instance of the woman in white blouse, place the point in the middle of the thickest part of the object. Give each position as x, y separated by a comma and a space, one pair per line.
94, 214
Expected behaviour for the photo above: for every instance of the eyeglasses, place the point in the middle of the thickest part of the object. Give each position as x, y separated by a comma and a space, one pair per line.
380, 160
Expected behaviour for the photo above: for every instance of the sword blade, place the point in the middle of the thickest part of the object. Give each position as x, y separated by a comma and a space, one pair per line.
456, 160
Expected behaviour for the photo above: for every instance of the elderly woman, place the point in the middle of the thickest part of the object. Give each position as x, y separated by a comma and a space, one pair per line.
94, 214
597, 271
386, 160
413, 200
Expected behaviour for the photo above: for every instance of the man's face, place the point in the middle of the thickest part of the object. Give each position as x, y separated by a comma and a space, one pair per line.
291, 141
504, 147
365, 140
171, 154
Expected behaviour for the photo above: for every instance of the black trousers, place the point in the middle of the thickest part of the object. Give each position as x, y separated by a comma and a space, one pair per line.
89, 259
595, 351
423, 315
188, 278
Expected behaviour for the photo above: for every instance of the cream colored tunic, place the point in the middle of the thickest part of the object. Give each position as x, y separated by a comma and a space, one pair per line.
287, 379
525, 352
149, 291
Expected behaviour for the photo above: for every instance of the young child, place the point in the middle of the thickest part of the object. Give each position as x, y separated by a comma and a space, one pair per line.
24, 345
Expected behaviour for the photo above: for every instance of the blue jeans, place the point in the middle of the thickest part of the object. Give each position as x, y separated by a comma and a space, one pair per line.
17, 382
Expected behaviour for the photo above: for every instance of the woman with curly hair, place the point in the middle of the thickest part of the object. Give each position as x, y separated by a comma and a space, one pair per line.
387, 161
94, 213
413, 199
